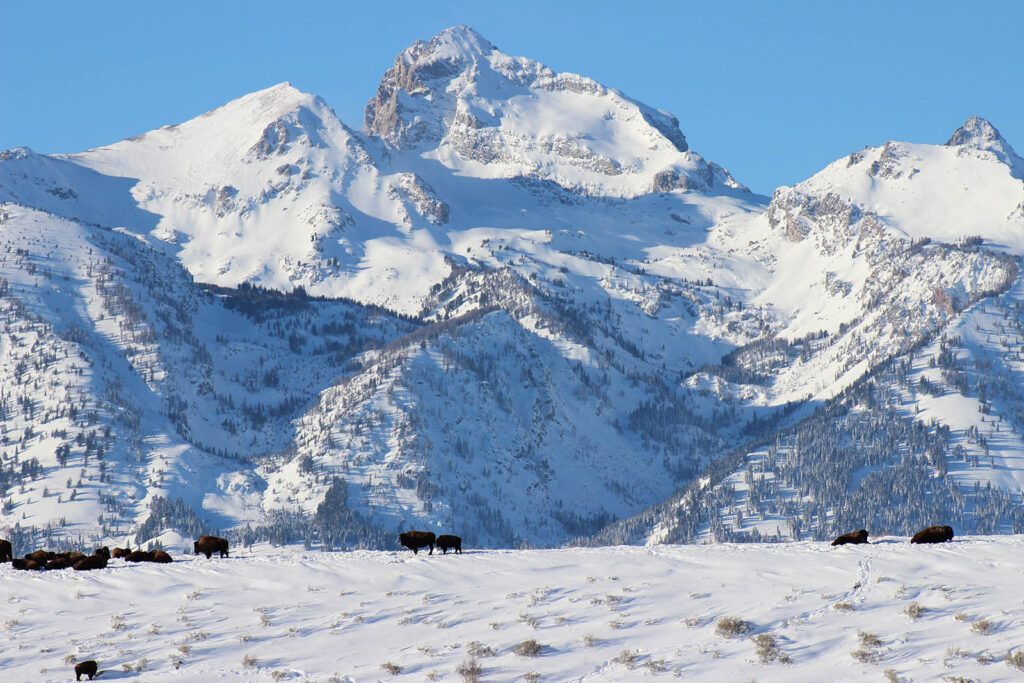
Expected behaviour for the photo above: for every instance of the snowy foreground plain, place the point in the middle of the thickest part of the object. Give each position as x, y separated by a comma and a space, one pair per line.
886, 611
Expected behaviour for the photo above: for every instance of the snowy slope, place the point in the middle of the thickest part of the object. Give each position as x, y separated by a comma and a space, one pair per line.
804, 612
874, 257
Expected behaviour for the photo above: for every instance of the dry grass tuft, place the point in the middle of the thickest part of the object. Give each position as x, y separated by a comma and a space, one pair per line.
768, 649
983, 627
529, 648
470, 670
731, 627
628, 658
914, 611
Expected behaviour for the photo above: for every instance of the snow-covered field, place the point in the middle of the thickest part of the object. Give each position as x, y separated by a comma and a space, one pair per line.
886, 611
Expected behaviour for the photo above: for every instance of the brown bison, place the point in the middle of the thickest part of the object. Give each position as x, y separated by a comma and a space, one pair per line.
6, 551
104, 551
72, 556
40, 556
59, 563
208, 545
26, 565
139, 556
88, 668
414, 540
121, 552
158, 556
933, 534
91, 562
446, 541
852, 537
161, 557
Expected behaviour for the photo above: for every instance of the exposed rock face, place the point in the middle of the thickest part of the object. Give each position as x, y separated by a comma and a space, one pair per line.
395, 115
796, 214
423, 198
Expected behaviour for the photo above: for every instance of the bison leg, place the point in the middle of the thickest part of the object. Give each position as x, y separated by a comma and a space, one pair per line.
208, 554
415, 551
431, 548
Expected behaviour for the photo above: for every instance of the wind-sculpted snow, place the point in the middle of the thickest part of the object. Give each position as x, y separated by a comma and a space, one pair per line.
788, 612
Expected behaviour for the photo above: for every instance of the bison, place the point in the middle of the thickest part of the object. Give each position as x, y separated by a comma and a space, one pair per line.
852, 537
91, 562
139, 556
59, 563
88, 668
40, 556
208, 545
446, 541
105, 551
933, 534
414, 540
26, 565
121, 552
161, 557
6, 551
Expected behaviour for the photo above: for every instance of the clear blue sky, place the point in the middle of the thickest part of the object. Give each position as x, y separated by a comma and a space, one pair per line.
772, 90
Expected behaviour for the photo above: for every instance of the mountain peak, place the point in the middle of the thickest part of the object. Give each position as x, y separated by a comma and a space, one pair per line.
980, 134
459, 44
420, 70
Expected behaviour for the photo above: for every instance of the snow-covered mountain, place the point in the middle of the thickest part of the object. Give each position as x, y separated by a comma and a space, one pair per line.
515, 306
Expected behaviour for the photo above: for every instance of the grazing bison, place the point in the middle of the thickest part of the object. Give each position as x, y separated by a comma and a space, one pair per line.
121, 552
446, 541
208, 545
88, 668
414, 540
852, 537
933, 534
6, 551
91, 562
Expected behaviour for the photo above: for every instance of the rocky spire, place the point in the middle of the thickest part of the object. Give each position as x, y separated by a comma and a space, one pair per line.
417, 71
980, 134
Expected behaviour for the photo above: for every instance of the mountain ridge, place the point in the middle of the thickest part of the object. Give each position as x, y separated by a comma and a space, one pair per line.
516, 305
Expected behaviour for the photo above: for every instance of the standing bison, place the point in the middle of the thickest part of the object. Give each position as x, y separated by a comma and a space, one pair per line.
447, 541
208, 545
852, 537
414, 540
933, 534
88, 668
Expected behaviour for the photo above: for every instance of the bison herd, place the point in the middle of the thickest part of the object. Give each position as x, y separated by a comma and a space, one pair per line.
414, 540
933, 534
42, 560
